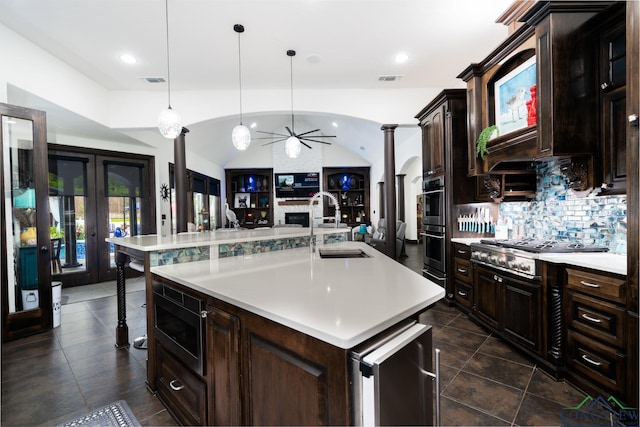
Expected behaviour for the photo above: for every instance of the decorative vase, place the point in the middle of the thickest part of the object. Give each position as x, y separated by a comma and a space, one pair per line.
29, 236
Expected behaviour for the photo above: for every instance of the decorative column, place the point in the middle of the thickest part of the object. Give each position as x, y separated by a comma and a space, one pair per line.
400, 178
381, 199
122, 330
180, 177
390, 189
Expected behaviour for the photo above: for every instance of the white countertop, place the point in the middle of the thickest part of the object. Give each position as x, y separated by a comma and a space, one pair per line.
602, 261
342, 301
155, 242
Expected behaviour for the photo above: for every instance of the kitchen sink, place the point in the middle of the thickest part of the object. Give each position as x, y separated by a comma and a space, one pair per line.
342, 253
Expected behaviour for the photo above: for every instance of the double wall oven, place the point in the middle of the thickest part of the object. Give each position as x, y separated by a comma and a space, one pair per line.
433, 230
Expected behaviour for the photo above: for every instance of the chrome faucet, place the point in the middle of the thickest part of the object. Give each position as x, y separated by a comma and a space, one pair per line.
318, 195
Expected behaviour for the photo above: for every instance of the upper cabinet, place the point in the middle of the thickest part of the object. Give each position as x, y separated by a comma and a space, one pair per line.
535, 89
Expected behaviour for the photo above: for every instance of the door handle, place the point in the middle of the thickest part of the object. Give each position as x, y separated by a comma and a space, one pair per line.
44, 249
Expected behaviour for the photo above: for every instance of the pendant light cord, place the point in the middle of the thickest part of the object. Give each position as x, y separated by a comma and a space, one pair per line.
293, 126
240, 75
166, 15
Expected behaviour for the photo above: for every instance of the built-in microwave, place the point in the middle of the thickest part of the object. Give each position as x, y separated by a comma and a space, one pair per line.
433, 201
179, 325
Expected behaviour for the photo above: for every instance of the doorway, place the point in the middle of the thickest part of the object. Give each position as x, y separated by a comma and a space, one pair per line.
94, 194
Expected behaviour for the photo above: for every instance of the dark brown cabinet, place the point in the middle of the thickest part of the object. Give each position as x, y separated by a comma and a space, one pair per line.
462, 276
596, 341
250, 196
554, 35
223, 368
351, 188
609, 35
511, 306
433, 142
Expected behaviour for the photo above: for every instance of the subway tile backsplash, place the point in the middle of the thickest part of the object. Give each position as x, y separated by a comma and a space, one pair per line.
559, 213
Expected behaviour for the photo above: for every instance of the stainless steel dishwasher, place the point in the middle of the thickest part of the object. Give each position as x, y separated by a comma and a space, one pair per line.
392, 382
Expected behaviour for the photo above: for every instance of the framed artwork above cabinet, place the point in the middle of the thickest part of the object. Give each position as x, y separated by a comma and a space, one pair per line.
350, 185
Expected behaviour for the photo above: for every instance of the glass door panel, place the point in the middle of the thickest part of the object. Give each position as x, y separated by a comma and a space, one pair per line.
22, 233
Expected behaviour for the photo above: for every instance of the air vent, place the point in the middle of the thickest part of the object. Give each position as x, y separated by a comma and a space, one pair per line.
389, 78
153, 79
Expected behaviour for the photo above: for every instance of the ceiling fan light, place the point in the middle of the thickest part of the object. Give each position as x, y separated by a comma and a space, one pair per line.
169, 123
241, 137
292, 147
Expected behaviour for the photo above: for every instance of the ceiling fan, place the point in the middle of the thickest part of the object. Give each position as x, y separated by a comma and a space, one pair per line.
293, 139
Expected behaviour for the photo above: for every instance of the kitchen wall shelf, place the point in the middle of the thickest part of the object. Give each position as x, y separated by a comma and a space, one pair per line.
250, 196
351, 188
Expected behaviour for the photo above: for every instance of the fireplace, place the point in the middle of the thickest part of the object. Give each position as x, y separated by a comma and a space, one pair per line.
297, 218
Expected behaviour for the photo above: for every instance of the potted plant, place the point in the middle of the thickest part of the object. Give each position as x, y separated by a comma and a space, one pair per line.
485, 136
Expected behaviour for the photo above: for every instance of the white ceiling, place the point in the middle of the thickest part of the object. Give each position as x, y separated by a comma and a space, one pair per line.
340, 44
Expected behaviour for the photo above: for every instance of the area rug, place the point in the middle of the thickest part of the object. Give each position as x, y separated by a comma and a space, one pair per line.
116, 414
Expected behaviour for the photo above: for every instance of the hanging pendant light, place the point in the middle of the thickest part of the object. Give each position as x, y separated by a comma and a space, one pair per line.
169, 121
292, 145
241, 135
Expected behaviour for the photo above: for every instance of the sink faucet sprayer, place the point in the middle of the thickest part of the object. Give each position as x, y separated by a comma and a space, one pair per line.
318, 195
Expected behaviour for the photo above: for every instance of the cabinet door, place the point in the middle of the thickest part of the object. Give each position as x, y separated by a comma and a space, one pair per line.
522, 312
433, 143
487, 296
223, 368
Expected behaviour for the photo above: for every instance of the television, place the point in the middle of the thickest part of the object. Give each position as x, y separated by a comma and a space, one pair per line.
299, 184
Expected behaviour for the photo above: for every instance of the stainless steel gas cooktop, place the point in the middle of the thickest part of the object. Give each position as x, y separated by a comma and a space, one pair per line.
546, 246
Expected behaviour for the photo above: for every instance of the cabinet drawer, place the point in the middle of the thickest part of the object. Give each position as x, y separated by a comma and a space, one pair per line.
461, 251
609, 287
182, 391
596, 318
598, 362
462, 270
463, 293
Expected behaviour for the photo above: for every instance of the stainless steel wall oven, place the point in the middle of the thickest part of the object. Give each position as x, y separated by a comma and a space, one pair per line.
433, 201
179, 325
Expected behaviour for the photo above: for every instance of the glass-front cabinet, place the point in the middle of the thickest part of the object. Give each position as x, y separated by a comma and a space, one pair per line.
26, 243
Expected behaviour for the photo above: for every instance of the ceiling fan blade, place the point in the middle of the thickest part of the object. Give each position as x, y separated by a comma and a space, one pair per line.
273, 142
305, 144
290, 132
306, 133
314, 140
272, 133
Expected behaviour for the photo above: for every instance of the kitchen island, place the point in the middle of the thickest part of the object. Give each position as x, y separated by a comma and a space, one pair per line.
278, 328
145, 251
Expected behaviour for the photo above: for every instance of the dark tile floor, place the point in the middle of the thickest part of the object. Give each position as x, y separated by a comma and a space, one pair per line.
57, 376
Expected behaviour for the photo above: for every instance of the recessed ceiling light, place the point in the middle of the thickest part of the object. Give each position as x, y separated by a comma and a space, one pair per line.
334, 124
128, 59
253, 125
401, 58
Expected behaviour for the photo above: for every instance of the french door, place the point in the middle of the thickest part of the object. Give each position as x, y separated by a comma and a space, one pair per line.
94, 195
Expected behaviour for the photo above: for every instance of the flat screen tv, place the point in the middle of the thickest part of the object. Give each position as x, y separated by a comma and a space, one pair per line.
298, 184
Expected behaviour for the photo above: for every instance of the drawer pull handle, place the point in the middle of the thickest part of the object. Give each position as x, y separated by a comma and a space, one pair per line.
593, 362
591, 319
462, 270
591, 285
462, 293
176, 385
462, 252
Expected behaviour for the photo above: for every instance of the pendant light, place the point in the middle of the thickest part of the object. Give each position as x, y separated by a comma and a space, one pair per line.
169, 121
241, 135
292, 145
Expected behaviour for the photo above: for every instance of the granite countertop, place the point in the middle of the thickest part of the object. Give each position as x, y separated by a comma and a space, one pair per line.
342, 301
601, 261
155, 242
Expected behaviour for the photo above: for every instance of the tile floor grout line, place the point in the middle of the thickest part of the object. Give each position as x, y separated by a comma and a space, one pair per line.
524, 395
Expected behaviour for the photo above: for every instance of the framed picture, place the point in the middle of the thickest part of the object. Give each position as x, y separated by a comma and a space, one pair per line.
511, 95
241, 200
